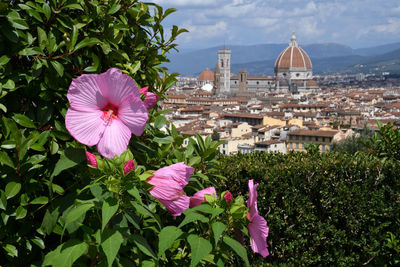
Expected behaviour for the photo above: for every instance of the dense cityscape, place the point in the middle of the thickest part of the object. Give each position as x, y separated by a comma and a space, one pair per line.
282, 112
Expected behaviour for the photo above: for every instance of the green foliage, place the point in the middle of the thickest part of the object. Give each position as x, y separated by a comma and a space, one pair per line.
55, 210
353, 143
386, 142
326, 209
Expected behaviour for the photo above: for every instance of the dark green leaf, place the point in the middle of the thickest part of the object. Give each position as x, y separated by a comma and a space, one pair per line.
200, 248
218, 228
11, 250
76, 212
66, 254
12, 188
58, 67
40, 200
238, 248
110, 207
20, 213
87, 42
70, 158
111, 241
23, 121
3, 200
5, 159
191, 216
142, 244
167, 237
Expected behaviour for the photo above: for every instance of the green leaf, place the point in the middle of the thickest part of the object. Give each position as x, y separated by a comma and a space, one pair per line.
50, 221
74, 37
20, 213
58, 67
10, 84
18, 23
70, 158
3, 108
39, 242
218, 228
42, 38
23, 121
3, 200
142, 244
53, 147
164, 140
30, 51
11, 250
5, 159
191, 216
40, 200
238, 248
160, 122
200, 248
114, 9
110, 207
76, 212
4, 60
12, 188
66, 254
47, 11
167, 237
87, 42
111, 241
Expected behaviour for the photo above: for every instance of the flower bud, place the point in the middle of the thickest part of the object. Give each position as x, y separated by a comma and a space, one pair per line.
228, 197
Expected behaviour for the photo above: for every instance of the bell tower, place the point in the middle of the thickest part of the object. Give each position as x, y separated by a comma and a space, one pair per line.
224, 66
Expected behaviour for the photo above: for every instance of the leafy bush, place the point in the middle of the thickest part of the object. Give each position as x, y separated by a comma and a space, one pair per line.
55, 210
323, 209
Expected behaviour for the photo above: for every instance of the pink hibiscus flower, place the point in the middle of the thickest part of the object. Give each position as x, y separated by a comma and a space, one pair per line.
150, 99
168, 187
258, 227
92, 161
105, 109
199, 197
228, 197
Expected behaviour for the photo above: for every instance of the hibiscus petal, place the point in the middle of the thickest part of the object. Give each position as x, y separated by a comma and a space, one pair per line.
86, 127
258, 230
91, 159
179, 172
115, 85
144, 90
115, 139
129, 166
84, 94
252, 201
199, 197
133, 114
176, 207
151, 100
166, 192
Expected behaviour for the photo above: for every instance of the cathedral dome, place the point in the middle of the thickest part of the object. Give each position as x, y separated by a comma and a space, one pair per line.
293, 58
206, 75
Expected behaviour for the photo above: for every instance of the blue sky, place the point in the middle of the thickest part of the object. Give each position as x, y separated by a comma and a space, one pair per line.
357, 23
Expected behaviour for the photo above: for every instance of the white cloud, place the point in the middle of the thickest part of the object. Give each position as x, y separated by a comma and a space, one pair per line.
203, 32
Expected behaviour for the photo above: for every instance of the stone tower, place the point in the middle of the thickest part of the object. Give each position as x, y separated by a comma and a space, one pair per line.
217, 80
242, 82
224, 66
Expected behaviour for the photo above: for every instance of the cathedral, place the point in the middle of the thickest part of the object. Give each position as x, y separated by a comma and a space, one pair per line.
292, 73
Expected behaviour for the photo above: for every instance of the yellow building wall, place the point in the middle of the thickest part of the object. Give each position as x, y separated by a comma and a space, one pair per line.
272, 121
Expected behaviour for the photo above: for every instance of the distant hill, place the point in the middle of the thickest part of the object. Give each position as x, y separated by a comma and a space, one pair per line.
260, 59
388, 62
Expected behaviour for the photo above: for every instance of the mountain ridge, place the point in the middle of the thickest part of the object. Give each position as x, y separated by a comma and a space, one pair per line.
326, 57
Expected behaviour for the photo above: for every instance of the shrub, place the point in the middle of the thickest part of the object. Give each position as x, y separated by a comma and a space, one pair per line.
322, 209
55, 210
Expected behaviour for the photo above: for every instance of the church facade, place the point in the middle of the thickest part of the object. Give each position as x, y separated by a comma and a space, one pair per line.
292, 73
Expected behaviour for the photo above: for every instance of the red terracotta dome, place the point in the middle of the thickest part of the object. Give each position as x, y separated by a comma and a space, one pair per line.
206, 75
293, 57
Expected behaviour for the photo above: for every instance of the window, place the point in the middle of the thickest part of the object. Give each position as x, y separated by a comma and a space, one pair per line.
309, 138
297, 137
222, 63
297, 74
323, 139
323, 148
303, 138
297, 145
290, 145
258, 82
316, 138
